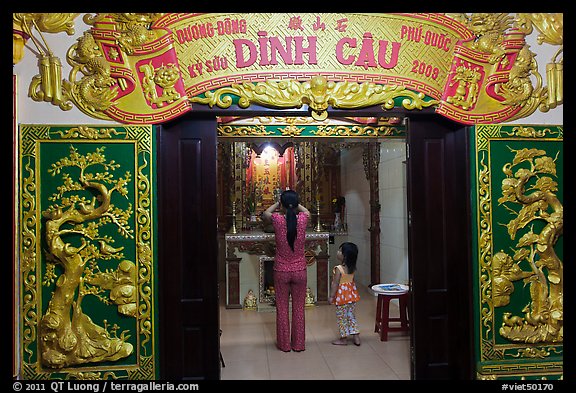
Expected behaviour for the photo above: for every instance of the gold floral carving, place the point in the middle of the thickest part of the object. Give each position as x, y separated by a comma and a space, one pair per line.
533, 353
318, 93
513, 327
527, 131
67, 336
529, 193
88, 133
291, 130
543, 317
76, 242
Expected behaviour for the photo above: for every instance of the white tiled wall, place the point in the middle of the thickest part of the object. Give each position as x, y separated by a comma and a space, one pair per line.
392, 184
357, 193
393, 216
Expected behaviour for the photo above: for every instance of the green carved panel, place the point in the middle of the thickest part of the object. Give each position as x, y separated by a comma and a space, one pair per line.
87, 253
517, 201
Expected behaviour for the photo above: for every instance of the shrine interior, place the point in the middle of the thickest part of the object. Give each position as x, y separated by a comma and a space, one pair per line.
341, 169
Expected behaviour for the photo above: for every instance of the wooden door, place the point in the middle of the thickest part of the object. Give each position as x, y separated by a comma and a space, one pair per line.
439, 249
188, 268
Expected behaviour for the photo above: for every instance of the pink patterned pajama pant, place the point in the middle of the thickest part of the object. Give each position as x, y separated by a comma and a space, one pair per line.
288, 284
346, 319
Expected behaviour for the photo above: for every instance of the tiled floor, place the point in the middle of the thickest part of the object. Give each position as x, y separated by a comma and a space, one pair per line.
249, 351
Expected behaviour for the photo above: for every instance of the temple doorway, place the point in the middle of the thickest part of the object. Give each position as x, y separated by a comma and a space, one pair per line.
349, 172
191, 225
357, 164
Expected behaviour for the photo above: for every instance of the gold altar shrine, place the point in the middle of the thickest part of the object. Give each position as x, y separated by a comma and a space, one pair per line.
249, 267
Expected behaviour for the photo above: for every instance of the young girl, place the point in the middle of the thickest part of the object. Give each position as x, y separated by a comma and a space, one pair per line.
344, 295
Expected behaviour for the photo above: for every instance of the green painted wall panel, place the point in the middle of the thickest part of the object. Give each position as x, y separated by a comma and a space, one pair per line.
87, 257
517, 204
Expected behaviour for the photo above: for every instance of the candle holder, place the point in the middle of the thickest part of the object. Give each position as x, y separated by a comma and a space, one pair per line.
234, 230
318, 225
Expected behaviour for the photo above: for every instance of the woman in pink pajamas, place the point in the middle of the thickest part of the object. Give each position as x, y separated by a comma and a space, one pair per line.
289, 269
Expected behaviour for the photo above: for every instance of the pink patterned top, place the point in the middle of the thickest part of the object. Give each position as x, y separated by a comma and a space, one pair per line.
287, 260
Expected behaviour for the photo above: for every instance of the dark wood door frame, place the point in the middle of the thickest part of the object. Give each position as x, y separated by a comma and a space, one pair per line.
188, 271
439, 243
187, 250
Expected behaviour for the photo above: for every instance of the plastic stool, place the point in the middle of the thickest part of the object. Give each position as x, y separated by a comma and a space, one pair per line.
383, 318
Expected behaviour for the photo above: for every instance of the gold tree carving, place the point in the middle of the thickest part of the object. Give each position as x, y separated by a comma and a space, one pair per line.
67, 336
532, 187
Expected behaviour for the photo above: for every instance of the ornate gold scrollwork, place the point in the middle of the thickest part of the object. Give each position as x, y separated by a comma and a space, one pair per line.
291, 130
259, 130
318, 93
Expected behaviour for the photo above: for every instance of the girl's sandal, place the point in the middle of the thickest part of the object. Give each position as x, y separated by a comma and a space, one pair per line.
357, 340
341, 341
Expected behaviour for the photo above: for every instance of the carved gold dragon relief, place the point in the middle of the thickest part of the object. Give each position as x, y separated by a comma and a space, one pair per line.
534, 189
90, 86
94, 92
67, 335
489, 29
518, 91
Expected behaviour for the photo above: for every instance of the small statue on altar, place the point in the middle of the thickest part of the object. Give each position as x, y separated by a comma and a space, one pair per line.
271, 291
309, 298
250, 301
338, 208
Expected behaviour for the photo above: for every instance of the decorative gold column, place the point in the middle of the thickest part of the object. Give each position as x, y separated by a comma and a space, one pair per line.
371, 158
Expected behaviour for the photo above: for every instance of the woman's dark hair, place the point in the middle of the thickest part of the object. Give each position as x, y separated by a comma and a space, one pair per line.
350, 253
289, 199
